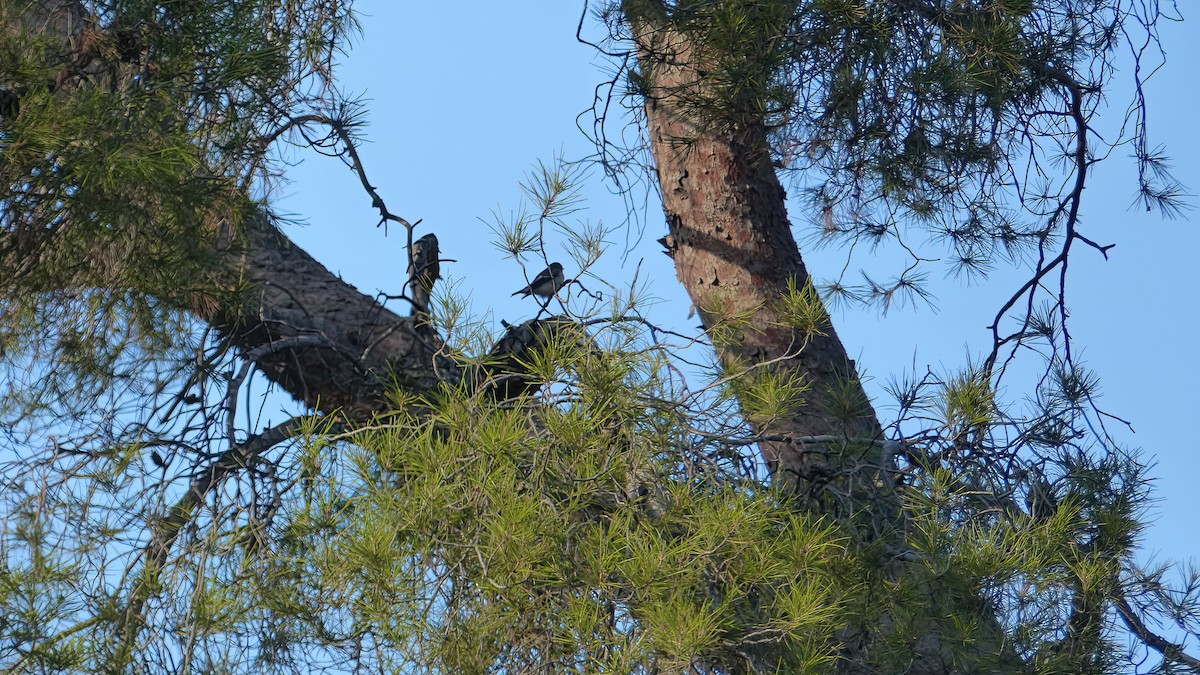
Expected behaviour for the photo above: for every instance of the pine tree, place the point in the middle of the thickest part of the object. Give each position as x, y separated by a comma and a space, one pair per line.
565, 496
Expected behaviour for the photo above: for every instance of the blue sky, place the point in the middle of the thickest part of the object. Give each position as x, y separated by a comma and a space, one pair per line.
463, 98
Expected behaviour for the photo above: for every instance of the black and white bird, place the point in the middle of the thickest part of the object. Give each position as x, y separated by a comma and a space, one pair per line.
545, 284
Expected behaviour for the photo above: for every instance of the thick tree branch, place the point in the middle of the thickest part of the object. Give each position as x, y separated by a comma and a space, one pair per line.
322, 340
306, 329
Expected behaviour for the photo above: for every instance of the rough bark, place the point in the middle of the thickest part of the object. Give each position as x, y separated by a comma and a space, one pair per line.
326, 343
735, 254
337, 349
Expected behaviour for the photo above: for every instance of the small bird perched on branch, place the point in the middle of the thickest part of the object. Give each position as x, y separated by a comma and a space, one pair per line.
424, 269
10, 103
545, 284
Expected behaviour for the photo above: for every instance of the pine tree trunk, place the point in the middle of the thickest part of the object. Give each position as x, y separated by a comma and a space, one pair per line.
735, 254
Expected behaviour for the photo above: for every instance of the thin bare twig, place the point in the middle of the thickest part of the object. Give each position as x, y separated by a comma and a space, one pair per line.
167, 530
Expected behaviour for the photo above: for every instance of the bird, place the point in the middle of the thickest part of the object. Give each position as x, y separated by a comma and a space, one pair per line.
545, 284
10, 103
668, 244
424, 269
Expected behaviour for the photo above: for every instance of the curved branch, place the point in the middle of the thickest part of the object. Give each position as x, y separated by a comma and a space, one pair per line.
341, 130
1169, 650
250, 358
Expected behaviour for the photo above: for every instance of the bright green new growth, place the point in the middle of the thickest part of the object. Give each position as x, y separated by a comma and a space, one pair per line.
556, 534
803, 309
